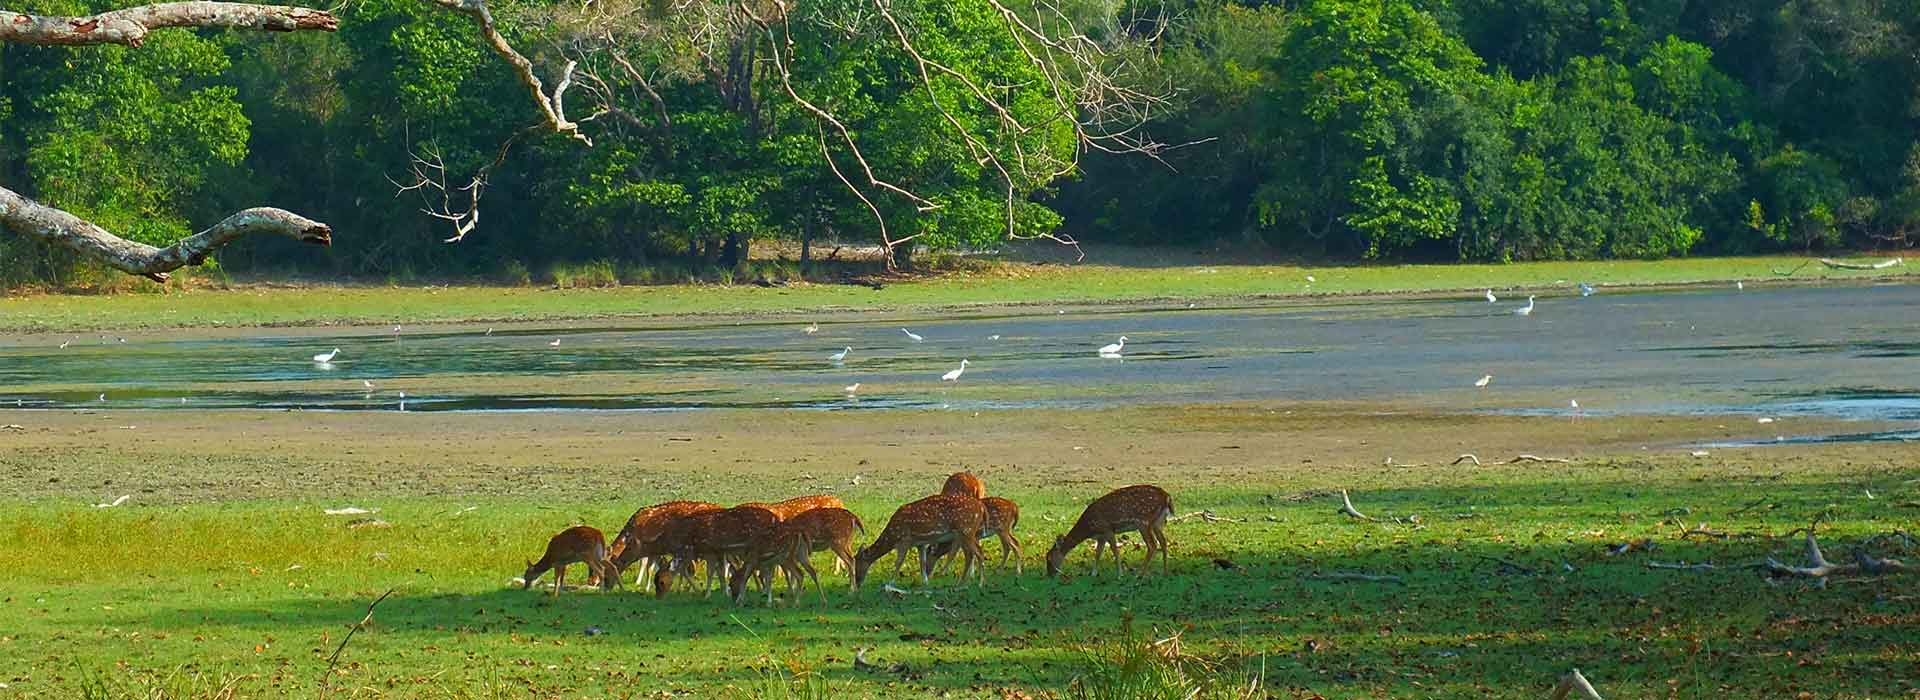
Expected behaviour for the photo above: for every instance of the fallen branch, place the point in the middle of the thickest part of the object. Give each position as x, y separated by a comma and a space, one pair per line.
1511, 565
1573, 682
1818, 567
1347, 509
1682, 566
1645, 545
1882, 265
1355, 576
1702, 530
1467, 458
1206, 515
1750, 506
355, 629
1532, 458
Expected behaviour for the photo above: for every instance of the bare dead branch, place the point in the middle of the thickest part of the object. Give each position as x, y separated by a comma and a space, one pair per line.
1882, 265
1205, 515
60, 228
1574, 683
355, 629
129, 27
1681, 566
1467, 458
1532, 458
552, 107
1347, 509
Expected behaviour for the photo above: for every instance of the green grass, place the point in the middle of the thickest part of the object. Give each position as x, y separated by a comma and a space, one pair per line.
1169, 279
252, 597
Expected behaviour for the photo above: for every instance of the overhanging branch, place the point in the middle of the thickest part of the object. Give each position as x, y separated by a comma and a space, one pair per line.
129, 27
58, 227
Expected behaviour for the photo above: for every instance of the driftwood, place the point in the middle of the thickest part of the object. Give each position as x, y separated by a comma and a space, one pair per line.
1882, 265
1574, 683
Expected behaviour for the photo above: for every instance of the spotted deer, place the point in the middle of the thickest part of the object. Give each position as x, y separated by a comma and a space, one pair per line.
930, 520
791, 546
578, 544
645, 526
1002, 516
1144, 508
709, 536
964, 484
795, 506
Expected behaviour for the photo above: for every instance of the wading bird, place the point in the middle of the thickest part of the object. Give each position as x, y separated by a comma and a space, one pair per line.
915, 337
1586, 290
1484, 381
1113, 348
1491, 298
950, 376
812, 328
853, 388
554, 344
840, 356
326, 357
1525, 310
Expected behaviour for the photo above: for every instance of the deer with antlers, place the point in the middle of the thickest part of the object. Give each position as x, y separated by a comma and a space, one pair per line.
578, 544
1144, 508
928, 521
790, 547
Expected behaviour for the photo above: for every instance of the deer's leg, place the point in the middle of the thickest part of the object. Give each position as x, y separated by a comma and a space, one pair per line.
843, 556
559, 578
1160, 533
976, 562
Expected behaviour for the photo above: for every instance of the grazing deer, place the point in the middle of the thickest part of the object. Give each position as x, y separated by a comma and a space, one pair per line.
643, 528
1144, 508
575, 544
930, 520
711, 536
790, 547
1002, 516
964, 484
794, 506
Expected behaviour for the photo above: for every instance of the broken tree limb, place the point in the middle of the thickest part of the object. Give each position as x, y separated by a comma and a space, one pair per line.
1681, 566
1882, 265
1206, 515
1347, 509
129, 27
1575, 683
1356, 576
1467, 458
1532, 458
58, 227
1818, 566
355, 629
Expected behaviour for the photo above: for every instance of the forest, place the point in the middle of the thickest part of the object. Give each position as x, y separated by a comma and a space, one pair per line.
1430, 130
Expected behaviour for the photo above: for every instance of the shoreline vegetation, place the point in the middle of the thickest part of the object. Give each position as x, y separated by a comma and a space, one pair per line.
980, 285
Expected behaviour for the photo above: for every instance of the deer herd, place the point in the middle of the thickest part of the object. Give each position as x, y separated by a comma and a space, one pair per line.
747, 543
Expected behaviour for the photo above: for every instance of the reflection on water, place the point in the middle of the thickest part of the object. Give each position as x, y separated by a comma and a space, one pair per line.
1834, 352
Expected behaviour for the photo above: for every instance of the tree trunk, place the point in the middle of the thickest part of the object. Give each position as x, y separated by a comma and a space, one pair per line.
902, 256
806, 245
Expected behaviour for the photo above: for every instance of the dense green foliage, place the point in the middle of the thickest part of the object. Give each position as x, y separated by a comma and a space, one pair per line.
1486, 130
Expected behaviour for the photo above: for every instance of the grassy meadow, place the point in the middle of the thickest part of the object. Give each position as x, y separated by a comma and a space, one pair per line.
222, 577
1134, 278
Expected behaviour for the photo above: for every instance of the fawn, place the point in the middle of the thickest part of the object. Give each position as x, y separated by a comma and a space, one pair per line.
645, 526
575, 544
964, 484
710, 536
790, 547
1002, 516
1144, 508
930, 520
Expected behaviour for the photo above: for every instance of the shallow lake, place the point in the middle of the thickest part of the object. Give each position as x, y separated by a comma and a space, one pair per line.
1851, 352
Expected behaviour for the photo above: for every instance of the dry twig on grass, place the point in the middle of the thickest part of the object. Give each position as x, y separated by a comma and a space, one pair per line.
1533, 458
1467, 458
1682, 566
1206, 515
1356, 576
353, 630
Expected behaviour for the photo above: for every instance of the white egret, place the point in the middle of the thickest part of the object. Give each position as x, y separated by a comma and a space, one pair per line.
326, 357
1739, 284
1484, 381
489, 331
812, 328
954, 375
554, 344
853, 388
65, 343
1586, 290
396, 329
915, 337
1491, 298
839, 356
995, 336
403, 402
367, 384
103, 397
1525, 310
1309, 278
1113, 348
